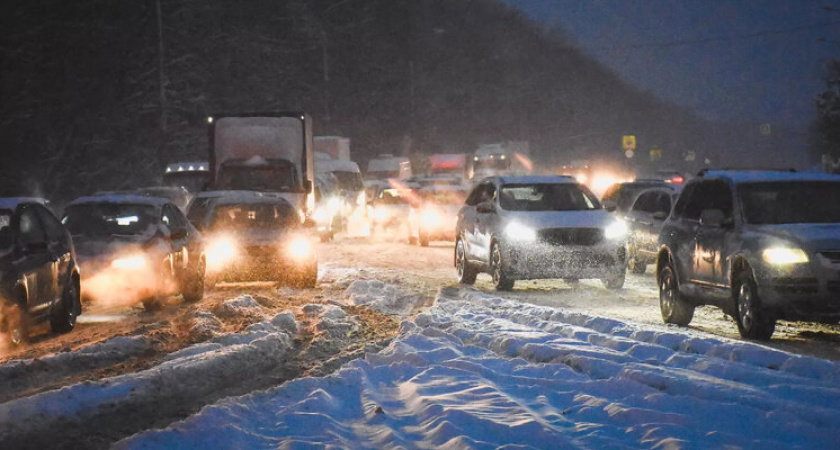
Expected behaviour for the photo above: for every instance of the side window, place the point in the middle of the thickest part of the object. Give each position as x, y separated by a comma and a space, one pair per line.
663, 203
198, 210
682, 202
483, 193
712, 194
472, 199
172, 217
55, 230
31, 231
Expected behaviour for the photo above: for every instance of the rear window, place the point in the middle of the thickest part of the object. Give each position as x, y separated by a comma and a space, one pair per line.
109, 219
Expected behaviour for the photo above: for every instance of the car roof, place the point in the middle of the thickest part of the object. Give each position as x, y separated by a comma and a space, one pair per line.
537, 179
753, 176
13, 202
121, 199
225, 193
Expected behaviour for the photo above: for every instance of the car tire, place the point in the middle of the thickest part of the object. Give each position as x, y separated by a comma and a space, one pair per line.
424, 240
153, 303
327, 236
501, 280
466, 272
412, 240
63, 319
674, 308
193, 291
615, 281
632, 262
753, 322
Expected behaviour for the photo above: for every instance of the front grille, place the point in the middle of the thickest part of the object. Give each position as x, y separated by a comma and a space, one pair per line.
833, 256
791, 285
571, 236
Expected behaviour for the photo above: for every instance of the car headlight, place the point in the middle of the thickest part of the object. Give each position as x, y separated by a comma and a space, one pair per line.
380, 214
518, 232
784, 255
334, 204
130, 262
361, 199
616, 230
320, 215
220, 251
300, 248
430, 218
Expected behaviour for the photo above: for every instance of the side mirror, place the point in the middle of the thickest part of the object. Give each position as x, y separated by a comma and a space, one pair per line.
660, 215
712, 218
610, 205
485, 207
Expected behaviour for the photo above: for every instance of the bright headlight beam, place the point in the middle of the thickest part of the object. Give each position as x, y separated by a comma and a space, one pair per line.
131, 262
300, 248
220, 251
518, 232
784, 255
616, 230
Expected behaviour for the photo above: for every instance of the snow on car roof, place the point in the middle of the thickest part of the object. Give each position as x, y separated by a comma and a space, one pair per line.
121, 198
13, 202
753, 176
537, 179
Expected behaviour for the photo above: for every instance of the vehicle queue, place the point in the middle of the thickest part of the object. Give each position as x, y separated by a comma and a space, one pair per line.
749, 242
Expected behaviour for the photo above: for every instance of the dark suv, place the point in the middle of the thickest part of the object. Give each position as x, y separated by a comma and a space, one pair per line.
39, 279
760, 245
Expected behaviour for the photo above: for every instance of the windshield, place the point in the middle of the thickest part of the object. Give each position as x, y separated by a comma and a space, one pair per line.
790, 202
5, 230
349, 181
280, 178
546, 197
109, 219
252, 217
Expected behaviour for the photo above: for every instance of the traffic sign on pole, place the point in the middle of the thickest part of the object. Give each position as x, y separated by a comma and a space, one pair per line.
628, 142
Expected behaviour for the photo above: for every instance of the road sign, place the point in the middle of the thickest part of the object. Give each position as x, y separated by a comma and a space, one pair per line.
765, 129
629, 154
690, 155
655, 154
628, 142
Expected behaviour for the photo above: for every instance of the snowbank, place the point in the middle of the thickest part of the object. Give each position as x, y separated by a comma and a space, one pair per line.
482, 372
385, 298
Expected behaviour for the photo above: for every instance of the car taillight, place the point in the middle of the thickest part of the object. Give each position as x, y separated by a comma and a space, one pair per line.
678, 179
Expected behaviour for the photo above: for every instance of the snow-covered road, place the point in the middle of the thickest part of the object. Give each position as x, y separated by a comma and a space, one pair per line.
484, 372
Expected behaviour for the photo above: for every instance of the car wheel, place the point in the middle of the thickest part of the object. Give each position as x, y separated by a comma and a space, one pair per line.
194, 290
63, 319
501, 280
153, 303
424, 240
466, 272
632, 262
327, 236
615, 281
674, 308
17, 325
753, 322
412, 240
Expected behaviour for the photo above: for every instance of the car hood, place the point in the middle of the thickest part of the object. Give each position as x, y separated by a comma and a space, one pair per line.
812, 236
596, 218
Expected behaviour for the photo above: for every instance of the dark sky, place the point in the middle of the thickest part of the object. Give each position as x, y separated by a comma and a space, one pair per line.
760, 60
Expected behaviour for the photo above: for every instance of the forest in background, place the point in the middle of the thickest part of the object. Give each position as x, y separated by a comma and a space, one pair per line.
97, 94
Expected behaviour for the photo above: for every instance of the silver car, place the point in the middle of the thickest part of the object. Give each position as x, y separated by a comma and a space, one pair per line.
538, 227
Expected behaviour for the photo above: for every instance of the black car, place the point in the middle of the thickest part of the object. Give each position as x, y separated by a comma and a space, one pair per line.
39, 279
644, 221
760, 245
257, 238
132, 248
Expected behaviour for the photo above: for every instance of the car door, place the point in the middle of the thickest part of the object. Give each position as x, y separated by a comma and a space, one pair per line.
59, 246
485, 219
710, 238
639, 220
466, 220
36, 262
660, 209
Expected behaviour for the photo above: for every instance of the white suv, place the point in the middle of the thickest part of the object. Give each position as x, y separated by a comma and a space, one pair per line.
537, 227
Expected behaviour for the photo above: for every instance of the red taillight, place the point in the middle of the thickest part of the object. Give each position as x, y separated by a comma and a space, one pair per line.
678, 179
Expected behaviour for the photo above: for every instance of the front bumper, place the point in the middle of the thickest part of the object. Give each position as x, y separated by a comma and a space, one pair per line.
541, 261
260, 263
102, 282
808, 292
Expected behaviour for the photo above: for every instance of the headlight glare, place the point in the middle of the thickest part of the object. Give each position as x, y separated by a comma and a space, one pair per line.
300, 248
131, 262
430, 218
616, 230
220, 251
518, 232
784, 255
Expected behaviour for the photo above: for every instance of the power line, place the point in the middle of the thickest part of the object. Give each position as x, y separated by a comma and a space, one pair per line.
707, 40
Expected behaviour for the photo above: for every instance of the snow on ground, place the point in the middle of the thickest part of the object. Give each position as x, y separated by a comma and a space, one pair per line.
383, 297
484, 372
